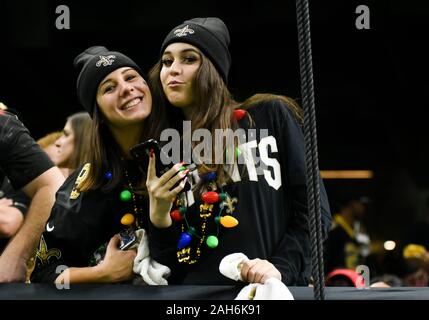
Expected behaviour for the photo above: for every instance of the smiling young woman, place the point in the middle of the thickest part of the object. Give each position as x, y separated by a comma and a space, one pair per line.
102, 198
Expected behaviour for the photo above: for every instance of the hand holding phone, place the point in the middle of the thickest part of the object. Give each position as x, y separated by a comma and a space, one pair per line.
128, 238
141, 153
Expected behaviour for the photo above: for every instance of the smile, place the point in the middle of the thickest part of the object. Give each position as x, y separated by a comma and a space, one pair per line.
131, 103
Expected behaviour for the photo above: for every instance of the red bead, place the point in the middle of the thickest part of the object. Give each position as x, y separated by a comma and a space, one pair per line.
176, 215
210, 197
239, 114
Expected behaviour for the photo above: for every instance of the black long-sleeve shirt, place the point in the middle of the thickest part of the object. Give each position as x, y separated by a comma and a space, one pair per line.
271, 207
79, 225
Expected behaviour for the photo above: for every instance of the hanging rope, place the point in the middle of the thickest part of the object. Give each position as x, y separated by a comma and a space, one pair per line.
310, 133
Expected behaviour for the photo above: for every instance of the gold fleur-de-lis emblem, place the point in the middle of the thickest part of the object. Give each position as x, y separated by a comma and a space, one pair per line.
183, 31
43, 253
74, 194
105, 60
206, 207
229, 204
184, 255
206, 210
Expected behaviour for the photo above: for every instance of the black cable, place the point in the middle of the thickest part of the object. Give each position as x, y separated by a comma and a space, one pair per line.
310, 133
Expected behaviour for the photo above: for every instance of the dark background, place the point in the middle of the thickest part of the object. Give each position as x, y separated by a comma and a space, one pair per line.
371, 85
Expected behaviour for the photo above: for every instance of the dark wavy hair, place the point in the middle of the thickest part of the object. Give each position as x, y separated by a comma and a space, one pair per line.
214, 106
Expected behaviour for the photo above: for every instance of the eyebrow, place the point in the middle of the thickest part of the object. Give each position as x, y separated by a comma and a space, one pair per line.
109, 79
183, 51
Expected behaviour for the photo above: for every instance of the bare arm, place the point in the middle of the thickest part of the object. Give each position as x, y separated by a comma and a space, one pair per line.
116, 266
14, 258
10, 218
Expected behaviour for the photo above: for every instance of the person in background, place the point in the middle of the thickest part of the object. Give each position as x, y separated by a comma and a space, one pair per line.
75, 142
347, 245
29, 169
47, 143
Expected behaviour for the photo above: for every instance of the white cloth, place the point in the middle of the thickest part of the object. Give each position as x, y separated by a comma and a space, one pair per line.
272, 289
152, 272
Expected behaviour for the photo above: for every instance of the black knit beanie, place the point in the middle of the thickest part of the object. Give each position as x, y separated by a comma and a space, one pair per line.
210, 35
94, 64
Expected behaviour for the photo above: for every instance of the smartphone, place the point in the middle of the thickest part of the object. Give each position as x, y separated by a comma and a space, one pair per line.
127, 239
141, 153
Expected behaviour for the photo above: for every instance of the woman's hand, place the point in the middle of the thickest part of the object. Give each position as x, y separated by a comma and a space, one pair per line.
259, 271
117, 264
161, 196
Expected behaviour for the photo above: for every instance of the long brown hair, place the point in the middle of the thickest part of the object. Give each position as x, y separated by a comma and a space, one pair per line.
105, 154
214, 106
81, 125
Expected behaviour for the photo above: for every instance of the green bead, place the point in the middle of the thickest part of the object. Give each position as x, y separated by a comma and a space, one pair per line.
217, 219
212, 241
126, 195
182, 210
237, 152
223, 196
191, 231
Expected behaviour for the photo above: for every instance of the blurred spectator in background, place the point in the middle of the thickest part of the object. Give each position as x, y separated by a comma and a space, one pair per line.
68, 149
348, 244
47, 143
74, 143
414, 266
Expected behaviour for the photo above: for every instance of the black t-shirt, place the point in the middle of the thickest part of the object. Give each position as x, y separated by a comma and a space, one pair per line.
270, 205
21, 158
20, 201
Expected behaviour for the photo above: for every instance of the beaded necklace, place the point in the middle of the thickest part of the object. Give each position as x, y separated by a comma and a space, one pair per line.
216, 207
129, 221
212, 201
131, 193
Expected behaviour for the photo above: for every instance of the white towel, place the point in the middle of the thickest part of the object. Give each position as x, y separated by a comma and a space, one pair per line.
272, 289
152, 272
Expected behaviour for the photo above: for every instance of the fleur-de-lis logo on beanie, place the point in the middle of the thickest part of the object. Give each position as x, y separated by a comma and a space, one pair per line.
183, 31
105, 60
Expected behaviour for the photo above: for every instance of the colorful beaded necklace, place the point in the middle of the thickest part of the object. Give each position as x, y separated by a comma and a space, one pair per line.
212, 200
217, 207
129, 221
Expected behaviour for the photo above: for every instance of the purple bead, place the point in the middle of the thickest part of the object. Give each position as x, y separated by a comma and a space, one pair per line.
108, 175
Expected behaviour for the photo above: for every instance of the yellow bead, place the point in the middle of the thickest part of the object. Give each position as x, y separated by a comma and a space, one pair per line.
127, 219
228, 221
